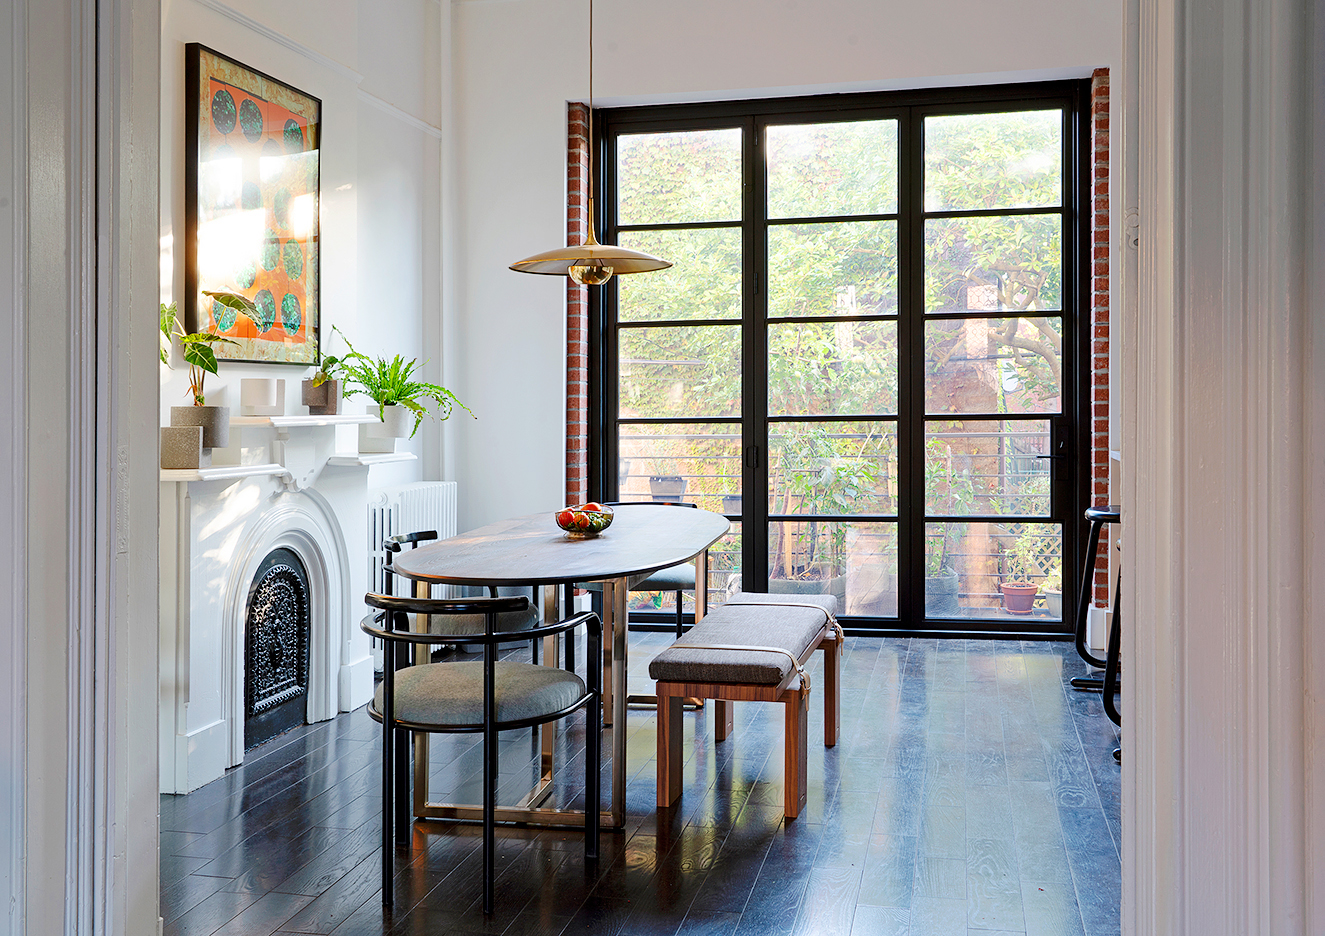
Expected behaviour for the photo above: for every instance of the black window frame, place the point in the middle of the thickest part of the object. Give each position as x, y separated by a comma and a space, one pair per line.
1071, 429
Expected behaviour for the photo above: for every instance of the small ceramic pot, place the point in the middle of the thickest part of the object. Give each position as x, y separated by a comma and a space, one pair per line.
322, 400
214, 420
397, 423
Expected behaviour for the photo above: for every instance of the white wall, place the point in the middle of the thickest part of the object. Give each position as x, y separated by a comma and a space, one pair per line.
376, 68
517, 64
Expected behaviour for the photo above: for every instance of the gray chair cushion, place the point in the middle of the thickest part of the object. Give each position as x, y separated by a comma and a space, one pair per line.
827, 602
451, 694
791, 628
673, 578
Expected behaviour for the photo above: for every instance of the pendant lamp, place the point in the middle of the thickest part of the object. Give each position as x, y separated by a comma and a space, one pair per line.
591, 263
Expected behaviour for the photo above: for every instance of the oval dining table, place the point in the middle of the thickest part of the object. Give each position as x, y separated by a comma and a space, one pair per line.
533, 550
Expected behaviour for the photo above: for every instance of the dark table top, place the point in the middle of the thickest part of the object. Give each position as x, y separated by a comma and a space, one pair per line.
533, 550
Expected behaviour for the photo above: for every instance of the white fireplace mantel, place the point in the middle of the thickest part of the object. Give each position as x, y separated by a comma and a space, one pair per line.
289, 482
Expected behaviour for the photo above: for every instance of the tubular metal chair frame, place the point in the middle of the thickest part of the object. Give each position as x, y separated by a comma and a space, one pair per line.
393, 611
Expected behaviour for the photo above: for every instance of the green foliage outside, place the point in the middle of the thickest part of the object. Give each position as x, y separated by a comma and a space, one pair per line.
1008, 267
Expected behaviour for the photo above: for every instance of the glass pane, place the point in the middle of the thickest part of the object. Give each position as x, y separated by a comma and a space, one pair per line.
816, 170
833, 268
827, 368
973, 570
704, 283
857, 562
977, 365
724, 579
987, 466
674, 178
679, 371
698, 464
1002, 264
986, 161
832, 468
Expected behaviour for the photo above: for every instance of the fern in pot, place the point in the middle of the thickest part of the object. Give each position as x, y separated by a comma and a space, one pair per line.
402, 400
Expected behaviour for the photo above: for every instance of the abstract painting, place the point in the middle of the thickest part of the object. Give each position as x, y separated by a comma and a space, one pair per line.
251, 218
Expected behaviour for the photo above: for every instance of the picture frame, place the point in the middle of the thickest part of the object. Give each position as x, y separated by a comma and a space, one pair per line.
252, 206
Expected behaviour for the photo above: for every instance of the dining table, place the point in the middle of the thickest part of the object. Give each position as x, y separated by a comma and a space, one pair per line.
533, 551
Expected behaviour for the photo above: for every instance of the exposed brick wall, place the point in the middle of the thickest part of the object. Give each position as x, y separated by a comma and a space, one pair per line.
1099, 288
577, 310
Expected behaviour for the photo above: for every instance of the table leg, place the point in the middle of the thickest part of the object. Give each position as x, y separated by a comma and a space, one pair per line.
620, 593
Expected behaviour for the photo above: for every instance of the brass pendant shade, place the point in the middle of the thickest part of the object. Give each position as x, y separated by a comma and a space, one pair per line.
591, 263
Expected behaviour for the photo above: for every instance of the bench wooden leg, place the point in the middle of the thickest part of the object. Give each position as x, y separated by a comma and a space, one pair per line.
795, 770
724, 711
670, 753
832, 690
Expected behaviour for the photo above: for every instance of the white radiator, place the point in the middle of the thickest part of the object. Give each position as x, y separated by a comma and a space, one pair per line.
407, 508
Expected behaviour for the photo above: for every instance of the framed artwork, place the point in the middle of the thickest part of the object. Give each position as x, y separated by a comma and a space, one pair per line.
252, 147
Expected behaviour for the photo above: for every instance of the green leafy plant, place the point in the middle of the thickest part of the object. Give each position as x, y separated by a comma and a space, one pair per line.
1020, 562
391, 383
327, 369
1053, 578
197, 346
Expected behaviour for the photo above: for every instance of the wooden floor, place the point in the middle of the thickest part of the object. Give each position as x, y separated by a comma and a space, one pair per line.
972, 793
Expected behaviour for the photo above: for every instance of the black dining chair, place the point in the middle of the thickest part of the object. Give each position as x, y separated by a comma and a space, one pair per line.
679, 578
463, 625
487, 696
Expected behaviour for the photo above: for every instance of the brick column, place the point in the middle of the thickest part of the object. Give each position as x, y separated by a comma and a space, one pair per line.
1099, 319
577, 309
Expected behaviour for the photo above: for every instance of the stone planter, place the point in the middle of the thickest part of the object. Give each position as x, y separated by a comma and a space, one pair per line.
322, 400
1053, 600
181, 448
214, 420
941, 594
667, 487
835, 585
261, 396
731, 505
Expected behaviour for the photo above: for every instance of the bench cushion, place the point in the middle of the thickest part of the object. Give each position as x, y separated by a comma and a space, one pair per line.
451, 694
827, 602
791, 628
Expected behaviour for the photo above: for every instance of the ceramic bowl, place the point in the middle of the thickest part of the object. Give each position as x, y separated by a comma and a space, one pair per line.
581, 522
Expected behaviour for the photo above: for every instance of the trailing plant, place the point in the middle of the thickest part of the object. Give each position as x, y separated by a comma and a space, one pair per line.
391, 383
197, 346
327, 369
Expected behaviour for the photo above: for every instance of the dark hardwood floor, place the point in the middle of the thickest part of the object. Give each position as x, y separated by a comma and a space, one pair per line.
972, 793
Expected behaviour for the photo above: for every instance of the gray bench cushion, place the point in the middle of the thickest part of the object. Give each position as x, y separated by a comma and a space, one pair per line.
791, 628
452, 693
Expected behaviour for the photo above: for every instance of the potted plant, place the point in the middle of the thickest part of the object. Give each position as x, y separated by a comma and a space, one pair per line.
1019, 567
1052, 586
665, 487
814, 476
391, 385
321, 392
949, 491
201, 358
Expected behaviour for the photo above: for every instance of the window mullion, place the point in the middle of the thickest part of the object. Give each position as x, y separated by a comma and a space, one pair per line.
754, 402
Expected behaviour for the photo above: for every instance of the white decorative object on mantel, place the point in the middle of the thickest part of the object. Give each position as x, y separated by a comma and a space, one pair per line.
261, 396
291, 489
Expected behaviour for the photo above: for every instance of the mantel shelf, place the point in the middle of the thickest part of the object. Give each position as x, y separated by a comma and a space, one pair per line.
290, 422
221, 472
383, 458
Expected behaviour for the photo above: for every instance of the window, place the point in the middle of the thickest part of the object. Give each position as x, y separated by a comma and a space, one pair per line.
868, 352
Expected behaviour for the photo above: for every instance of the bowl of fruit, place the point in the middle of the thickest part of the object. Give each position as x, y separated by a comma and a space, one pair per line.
584, 520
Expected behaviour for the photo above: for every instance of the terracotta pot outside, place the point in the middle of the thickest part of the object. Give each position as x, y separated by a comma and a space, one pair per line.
1019, 597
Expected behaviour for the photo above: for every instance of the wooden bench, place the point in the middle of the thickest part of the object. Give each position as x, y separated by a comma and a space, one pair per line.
752, 649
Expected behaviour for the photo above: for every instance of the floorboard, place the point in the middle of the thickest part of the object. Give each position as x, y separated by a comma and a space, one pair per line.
972, 793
